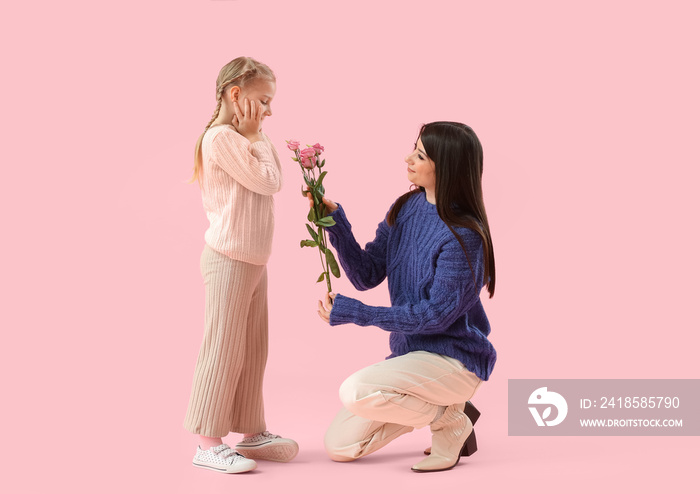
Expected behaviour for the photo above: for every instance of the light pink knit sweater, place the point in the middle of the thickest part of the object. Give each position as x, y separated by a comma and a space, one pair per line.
239, 179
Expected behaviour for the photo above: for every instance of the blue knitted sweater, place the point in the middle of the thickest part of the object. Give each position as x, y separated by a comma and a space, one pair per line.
435, 304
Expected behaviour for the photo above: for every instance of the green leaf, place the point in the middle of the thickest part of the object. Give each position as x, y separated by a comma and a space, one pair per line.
320, 278
314, 235
304, 191
312, 216
294, 159
308, 243
320, 179
332, 263
326, 222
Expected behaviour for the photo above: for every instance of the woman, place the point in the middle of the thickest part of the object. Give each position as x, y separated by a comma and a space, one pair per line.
435, 248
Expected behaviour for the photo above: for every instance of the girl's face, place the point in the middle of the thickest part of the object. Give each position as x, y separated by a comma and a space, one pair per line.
259, 91
421, 169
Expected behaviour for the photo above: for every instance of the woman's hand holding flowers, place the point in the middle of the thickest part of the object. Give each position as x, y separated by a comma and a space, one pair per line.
330, 205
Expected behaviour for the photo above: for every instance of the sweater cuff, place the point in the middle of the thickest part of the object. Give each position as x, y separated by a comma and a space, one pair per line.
342, 225
349, 310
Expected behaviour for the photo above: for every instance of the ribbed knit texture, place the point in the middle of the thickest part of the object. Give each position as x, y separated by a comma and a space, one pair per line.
435, 303
227, 389
239, 179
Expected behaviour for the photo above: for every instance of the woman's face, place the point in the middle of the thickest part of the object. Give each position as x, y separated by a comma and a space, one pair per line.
421, 169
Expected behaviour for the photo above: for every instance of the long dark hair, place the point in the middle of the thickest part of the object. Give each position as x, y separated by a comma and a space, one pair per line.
459, 164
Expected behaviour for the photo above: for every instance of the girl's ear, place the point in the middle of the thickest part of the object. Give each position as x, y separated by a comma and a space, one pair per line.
234, 93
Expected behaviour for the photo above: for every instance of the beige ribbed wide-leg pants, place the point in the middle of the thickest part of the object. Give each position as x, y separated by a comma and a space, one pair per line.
228, 378
388, 399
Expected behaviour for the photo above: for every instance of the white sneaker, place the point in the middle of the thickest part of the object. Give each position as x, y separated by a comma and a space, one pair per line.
266, 446
222, 459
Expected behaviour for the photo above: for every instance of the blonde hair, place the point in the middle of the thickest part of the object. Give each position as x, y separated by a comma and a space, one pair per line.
239, 71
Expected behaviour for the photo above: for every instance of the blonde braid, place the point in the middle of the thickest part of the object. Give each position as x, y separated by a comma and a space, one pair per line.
219, 100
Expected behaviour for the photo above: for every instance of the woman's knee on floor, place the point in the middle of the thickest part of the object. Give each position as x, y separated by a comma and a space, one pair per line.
336, 449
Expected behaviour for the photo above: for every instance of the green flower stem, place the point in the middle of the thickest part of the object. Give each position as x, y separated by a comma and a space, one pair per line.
321, 251
313, 187
328, 274
322, 244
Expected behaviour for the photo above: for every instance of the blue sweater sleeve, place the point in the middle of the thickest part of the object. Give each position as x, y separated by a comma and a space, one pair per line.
452, 294
365, 268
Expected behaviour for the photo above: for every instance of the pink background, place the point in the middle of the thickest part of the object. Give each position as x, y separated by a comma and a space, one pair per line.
588, 114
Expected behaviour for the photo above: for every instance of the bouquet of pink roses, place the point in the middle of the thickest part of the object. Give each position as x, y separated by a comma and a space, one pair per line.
310, 164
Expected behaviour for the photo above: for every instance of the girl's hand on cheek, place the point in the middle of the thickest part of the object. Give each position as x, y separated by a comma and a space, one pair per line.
247, 119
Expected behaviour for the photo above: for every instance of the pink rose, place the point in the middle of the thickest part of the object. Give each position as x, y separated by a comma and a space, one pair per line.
293, 145
319, 149
307, 153
308, 157
308, 163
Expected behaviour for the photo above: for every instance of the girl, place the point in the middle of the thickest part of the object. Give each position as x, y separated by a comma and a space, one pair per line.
435, 249
238, 170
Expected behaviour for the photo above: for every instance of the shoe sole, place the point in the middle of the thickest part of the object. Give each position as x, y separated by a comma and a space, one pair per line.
223, 469
436, 470
272, 452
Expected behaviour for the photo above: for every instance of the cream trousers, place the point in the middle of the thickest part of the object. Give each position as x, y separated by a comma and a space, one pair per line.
388, 399
227, 388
